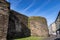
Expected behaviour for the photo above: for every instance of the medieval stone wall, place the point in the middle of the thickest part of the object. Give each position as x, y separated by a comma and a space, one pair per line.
4, 17
18, 25
38, 26
14, 24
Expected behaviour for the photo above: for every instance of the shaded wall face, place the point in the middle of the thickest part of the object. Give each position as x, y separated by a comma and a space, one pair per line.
25, 31
58, 22
4, 17
13, 27
17, 27
58, 25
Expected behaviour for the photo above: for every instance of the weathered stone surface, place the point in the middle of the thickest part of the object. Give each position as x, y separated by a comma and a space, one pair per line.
3, 25
14, 24
38, 26
18, 25
4, 17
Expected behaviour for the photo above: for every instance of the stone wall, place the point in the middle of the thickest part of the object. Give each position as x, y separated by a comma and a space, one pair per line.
58, 21
38, 26
14, 24
4, 17
18, 25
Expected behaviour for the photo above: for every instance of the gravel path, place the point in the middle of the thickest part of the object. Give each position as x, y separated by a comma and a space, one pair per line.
53, 38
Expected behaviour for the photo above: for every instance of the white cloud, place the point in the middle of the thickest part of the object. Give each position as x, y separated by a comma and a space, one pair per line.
30, 5
17, 2
40, 7
14, 3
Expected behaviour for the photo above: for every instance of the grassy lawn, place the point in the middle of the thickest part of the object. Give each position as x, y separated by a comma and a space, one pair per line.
30, 38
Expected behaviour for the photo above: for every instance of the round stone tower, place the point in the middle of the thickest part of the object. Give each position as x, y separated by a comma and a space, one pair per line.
4, 16
38, 26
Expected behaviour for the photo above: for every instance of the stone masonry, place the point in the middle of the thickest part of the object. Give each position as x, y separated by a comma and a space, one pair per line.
17, 25
38, 26
4, 16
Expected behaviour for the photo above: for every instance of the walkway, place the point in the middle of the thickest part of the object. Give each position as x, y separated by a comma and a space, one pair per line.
53, 38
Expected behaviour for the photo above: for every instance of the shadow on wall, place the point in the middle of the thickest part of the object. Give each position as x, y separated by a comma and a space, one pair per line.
25, 30
17, 29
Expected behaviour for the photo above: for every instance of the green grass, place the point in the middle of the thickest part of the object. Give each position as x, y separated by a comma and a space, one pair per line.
30, 38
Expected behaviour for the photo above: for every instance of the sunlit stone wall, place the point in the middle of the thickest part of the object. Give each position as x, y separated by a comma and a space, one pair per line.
4, 16
38, 26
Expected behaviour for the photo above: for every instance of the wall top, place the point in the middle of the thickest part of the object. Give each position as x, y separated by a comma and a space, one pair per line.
2, 0
5, 3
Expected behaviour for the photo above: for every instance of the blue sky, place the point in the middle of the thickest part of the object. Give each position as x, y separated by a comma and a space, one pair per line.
45, 8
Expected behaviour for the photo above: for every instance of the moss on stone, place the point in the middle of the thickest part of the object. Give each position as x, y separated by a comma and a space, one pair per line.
37, 18
38, 24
